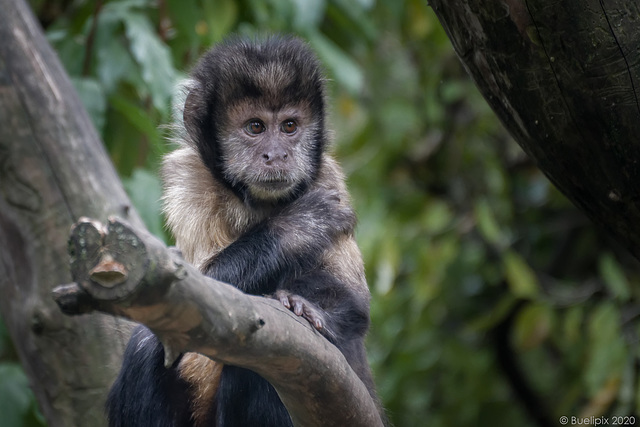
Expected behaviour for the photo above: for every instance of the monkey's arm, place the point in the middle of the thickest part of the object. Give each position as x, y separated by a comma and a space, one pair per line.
284, 246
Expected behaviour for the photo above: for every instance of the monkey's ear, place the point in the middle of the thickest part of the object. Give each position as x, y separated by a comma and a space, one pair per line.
194, 113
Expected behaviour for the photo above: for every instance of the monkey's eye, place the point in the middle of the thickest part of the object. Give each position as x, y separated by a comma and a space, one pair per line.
254, 127
289, 126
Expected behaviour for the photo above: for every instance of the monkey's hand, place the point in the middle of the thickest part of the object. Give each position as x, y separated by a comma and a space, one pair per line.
302, 307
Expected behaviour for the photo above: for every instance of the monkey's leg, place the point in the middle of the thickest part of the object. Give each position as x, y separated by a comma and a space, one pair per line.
146, 394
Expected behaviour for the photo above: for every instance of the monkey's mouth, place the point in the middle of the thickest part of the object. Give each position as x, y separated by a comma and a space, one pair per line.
270, 184
270, 189
274, 184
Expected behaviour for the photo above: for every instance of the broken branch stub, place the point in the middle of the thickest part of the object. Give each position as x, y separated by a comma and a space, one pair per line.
110, 262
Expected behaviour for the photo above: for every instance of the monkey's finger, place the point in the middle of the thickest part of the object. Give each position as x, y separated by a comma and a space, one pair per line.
283, 297
298, 307
313, 317
317, 323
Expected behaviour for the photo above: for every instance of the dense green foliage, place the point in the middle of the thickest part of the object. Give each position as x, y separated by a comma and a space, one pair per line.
495, 302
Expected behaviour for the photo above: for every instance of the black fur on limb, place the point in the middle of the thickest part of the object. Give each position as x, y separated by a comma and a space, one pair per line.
132, 274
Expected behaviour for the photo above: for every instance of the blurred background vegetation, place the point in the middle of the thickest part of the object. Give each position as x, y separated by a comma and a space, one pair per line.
495, 301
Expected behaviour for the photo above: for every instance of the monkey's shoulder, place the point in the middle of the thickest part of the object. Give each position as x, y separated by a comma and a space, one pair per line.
344, 261
203, 215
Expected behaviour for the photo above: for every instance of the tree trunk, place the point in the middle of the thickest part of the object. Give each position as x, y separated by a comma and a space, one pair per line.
564, 78
53, 169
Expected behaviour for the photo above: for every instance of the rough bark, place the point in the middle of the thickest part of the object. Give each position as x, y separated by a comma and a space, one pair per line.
53, 168
130, 273
564, 78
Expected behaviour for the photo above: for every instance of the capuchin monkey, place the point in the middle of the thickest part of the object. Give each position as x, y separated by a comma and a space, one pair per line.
253, 199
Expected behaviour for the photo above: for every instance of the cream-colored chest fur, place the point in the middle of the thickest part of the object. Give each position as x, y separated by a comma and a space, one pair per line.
203, 216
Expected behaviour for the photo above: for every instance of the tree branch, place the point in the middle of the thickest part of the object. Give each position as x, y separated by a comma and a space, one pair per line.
132, 274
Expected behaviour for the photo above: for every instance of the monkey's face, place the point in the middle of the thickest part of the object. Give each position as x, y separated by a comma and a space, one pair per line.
270, 152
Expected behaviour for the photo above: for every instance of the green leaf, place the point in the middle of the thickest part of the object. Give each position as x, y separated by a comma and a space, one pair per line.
308, 14
453, 91
420, 22
93, 99
613, 276
607, 349
532, 326
521, 279
113, 60
154, 58
356, 15
185, 17
137, 117
145, 191
220, 16
437, 217
487, 224
16, 398
387, 267
572, 327
498, 312
346, 71
69, 48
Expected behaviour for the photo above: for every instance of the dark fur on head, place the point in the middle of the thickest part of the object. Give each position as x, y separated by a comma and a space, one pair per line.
273, 74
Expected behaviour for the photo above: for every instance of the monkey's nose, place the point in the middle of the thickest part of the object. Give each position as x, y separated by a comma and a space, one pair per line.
272, 157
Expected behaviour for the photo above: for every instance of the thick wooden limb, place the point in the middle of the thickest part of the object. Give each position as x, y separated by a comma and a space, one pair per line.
564, 78
132, 274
